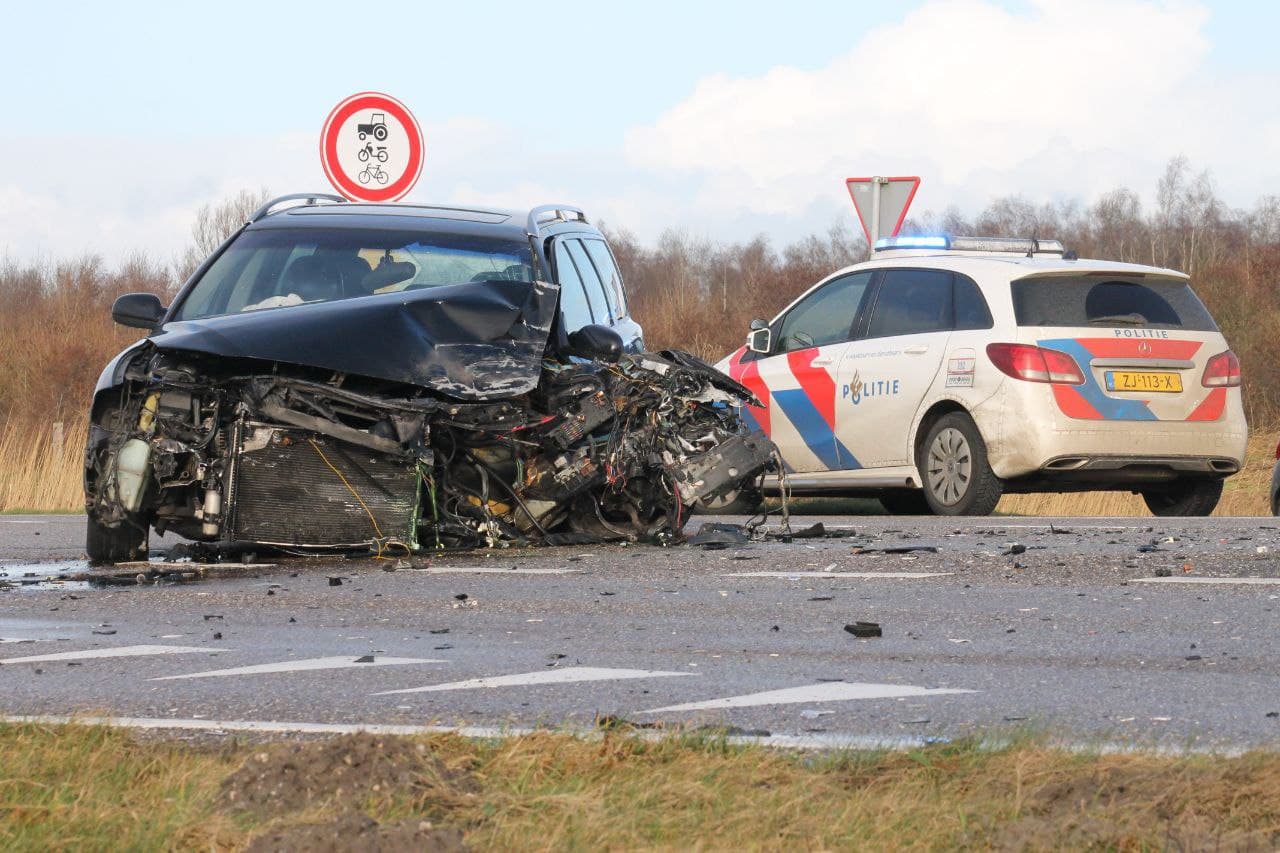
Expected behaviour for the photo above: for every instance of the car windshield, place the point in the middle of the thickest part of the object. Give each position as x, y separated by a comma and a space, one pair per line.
1106, 300
278, 268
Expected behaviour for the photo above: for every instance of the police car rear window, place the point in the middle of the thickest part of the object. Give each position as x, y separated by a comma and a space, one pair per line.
1091, 300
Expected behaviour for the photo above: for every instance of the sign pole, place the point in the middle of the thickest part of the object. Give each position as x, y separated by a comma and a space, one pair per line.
876, 183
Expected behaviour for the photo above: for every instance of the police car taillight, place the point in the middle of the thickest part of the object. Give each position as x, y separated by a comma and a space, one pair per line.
1222, 371
1035, 364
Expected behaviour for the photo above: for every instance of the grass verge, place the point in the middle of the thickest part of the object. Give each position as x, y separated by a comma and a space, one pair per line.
89, 788
41, 474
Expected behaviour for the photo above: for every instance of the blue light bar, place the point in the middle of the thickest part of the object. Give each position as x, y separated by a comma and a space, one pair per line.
913, 242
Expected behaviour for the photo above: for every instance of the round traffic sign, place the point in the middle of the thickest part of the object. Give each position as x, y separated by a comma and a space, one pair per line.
371, 148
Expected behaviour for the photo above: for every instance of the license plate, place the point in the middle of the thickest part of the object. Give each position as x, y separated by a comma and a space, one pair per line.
1159, 382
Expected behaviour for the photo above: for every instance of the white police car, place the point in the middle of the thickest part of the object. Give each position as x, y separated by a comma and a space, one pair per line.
947, 371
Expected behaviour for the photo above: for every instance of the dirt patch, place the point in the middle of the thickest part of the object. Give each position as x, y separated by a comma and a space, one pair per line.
351, 771
354, 831
1117, 803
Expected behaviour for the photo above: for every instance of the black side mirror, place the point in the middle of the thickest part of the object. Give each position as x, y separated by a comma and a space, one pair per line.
597, 342
139, 310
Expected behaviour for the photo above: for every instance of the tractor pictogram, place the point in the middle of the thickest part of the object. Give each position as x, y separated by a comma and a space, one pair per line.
377, 126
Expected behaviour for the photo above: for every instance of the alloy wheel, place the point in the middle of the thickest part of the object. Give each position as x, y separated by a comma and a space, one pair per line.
950, 466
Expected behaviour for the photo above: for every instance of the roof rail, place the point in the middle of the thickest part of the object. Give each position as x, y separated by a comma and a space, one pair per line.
563, 213
1014, 245
311, 198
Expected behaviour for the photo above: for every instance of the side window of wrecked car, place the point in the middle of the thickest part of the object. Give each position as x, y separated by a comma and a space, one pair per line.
603, 260
590, 282
573, 300
825, 316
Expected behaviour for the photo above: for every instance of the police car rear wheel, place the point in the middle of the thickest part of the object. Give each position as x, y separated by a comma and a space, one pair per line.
953, 462
1186, 498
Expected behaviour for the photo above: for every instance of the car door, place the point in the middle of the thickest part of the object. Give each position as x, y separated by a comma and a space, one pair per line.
884, 375
799, 372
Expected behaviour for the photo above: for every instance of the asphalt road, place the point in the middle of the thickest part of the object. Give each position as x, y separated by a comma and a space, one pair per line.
1071, 634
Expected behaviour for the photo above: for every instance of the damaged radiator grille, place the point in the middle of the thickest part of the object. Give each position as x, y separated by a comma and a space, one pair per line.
286, 493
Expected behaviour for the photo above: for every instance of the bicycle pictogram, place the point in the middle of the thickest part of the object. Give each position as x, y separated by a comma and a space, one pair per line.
373, 172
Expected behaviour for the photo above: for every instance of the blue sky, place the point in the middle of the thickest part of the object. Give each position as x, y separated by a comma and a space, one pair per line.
723, 118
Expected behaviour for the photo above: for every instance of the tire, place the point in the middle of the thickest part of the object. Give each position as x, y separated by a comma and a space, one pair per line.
736, 502
952, 461
1184, 498
382, 177
380, 132
911, 502
123, 544
362, 155
363, 177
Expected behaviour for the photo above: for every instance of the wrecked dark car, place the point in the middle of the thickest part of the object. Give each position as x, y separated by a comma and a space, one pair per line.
394, 378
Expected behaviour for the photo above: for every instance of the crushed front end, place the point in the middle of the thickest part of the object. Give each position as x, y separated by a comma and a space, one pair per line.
241, 451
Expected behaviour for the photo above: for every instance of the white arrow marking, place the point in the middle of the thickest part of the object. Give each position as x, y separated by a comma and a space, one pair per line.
118, 652
301, 666
833, 691
864, 575
1185, 579
567, 675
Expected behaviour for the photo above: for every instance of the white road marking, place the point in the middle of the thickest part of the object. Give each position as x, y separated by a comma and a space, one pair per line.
301, 666
118, 652
831, 691
814, 742
864, 575
1190, 579
566, 675
4, 640
494, 570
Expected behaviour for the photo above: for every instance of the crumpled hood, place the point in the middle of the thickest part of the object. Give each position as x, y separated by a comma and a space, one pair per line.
476, 341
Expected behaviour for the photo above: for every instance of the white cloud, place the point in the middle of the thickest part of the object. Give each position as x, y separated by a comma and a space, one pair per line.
1069, 97
1059, 98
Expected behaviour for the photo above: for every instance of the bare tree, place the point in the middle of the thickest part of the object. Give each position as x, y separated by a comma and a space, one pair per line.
214, 223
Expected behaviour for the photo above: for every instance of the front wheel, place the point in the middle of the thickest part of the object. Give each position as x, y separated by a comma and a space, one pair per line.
123, 544
958, 480
1184, 498
735, 502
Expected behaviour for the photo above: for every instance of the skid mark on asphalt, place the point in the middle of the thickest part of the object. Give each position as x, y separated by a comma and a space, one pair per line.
567, 675
864, 575
118, 652
832, 691
1186, 579
339, 662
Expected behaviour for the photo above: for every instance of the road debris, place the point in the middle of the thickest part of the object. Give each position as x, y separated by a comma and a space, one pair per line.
864, 630
716, 536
